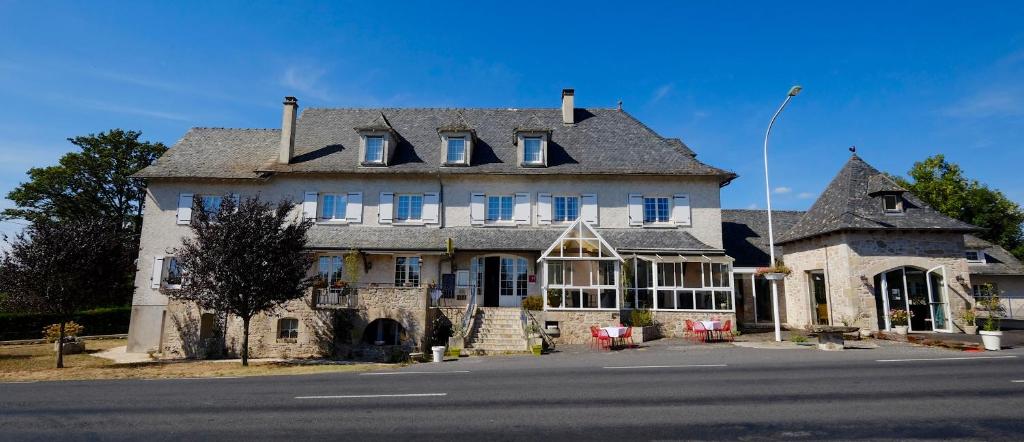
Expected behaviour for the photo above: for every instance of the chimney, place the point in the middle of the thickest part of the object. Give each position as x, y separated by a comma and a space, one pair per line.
287, 150
568, 106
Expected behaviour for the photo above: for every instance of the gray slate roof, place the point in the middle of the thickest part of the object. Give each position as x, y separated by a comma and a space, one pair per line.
846, 204
745, 234
603, 141
999, 261
417, 238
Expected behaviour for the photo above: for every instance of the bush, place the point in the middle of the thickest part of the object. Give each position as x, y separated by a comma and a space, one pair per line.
533, 302
641, 318
52, 332
100, 321
554, 298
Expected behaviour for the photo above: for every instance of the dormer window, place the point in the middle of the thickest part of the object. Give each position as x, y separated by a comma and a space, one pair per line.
892, 203
456, 147
456, 150
975, 256
374, 149
532, 153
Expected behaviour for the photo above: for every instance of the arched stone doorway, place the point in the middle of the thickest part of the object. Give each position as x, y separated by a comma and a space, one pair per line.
385, 331
920, 292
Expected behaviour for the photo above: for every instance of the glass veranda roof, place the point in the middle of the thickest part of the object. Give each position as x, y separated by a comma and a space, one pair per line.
580, 241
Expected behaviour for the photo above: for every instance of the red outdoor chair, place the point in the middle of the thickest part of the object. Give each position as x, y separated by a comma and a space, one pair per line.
700, 333
593, 336
603, 339
628, 337
689, 329
727, 330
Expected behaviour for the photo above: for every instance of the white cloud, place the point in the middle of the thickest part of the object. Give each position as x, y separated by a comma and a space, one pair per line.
662, 92
752, 206
805, 195
1007, 101
782, 190
120, 108
306, 80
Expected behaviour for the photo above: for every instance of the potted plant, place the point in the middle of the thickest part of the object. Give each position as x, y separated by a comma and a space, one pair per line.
554, 298
968, 317
777, 272
991, 335
900, 320
534, 339
456, 341
72, 343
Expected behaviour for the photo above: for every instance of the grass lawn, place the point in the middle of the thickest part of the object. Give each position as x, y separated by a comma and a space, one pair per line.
36, 362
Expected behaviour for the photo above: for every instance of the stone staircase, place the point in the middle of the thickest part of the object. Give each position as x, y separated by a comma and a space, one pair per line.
497, 330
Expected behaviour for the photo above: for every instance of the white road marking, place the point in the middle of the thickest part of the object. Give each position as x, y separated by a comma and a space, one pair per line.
387, 373
666, 366
1020, 381
361, 396
193, 378
946, 359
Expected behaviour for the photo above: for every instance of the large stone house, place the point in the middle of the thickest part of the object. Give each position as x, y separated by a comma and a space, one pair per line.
466, 210
863, 249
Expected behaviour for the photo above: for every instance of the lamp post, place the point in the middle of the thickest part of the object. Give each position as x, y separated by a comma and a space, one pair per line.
768, 195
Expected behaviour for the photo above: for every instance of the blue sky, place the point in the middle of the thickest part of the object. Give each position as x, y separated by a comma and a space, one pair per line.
900, 80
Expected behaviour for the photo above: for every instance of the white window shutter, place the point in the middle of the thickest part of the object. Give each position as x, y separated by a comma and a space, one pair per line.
681, 209
636, 209
476, 209
354, 207
431, 207
309, 205
543, 208
158, 272
184, 208
385, 207
521, 213
588, 208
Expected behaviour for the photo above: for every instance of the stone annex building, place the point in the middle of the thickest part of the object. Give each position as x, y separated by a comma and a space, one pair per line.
462, 213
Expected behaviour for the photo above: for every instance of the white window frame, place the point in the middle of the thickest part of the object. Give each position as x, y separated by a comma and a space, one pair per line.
897, 204
979, 257
404, 261
668, 210
540, 149
565, 199
448, 149
293, 332
214, 200
398, 207
334, 216
680, 289
366, 150
500, 198
165, 279
335, 268
521, 273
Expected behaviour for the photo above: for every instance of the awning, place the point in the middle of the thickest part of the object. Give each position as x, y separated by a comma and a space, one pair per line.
674, 257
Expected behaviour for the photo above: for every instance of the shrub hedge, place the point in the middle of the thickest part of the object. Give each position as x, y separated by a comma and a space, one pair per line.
100, 321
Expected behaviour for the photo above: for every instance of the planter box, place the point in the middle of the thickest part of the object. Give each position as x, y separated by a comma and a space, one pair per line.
991, 339
971, 329
645, 334
71, 348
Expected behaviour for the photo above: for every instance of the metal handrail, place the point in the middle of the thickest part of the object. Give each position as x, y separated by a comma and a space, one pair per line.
470, 315
336, 297
528, 317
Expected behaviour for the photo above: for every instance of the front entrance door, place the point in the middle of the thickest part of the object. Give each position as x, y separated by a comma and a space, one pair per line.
492, 283
819, 298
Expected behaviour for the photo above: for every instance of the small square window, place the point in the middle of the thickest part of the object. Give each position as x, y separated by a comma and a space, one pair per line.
409, 208
287, 328
332, 208
656, 210
374, 149
891, 203
456, 151
532, 150
974, 256
499, 208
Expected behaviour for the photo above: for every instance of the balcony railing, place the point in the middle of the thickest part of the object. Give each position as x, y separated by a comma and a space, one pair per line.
336, 297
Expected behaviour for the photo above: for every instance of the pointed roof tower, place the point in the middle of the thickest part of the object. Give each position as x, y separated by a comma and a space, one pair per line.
854, 201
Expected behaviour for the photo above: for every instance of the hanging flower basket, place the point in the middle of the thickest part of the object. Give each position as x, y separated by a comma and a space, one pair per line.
777, 272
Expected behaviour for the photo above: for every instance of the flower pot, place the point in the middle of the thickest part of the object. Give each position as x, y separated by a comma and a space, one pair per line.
537, 349
991, 339
865, 332
900, 329
775, 276
971, 329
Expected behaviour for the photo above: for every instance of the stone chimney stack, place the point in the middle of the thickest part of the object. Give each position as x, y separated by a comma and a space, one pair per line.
287, 150
568, 106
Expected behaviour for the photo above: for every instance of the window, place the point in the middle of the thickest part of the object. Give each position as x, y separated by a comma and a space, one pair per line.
532, 150
410, 208
333, 207
513, 277
656, 210
891, 203
456, 150
407, 271
331, 269
374, 149
211, 204
499, 208
983, 291
287, 328
173, 272
975, 256
715, 274
566, 208
556, 275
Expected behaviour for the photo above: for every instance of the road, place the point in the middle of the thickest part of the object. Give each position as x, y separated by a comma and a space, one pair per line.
894, 392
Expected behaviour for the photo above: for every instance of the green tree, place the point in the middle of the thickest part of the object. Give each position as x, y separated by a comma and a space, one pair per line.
60, 268
94, 184
244, 260
943, 186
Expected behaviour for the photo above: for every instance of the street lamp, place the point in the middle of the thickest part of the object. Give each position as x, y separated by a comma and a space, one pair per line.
768, 195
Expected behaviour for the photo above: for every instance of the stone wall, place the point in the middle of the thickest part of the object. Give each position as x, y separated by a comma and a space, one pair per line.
317, 336
851, 260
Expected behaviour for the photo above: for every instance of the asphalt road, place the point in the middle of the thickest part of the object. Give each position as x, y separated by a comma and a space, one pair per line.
663, 393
